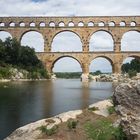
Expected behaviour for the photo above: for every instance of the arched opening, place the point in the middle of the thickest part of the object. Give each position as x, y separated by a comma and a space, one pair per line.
61, 24
66, 42
51, 24
81, 24
131, 65
101, 65
42, 24
112, 24
133, 23
34, 40
22, 24
12, 24
130, 41
90, 24
122, 24
4, 35
67, 67
101, 41
101, 24
32, 24
2, 24
71, 24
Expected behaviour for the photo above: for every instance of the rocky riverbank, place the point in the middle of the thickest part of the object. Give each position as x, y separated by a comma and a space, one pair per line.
96, 112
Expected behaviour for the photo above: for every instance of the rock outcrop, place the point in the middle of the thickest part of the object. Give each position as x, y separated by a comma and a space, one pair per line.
127, 101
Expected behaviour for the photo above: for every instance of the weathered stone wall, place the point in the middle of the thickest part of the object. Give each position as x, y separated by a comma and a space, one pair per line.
49, 27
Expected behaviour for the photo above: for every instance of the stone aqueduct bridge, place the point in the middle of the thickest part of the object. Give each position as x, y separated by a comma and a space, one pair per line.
49, 27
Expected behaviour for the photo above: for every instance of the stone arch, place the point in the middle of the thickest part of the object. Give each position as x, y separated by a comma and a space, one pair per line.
81, 24
32, 24
71, 24
66, 56
106, 33
2, 24
122, 23
4, 34
61, 24
22, 24
34, 39
111, 24
64, 31
133, 23
51, 24
12, 24
42, 24
130, 40
101, 24
90, 24
100, 62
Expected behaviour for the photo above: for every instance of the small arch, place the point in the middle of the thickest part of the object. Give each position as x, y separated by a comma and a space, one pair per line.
90, 24
101, 63
22, 24
2, 24
133, 23
80, 24
122, 23
32, 24
71, 67
42, 24
51, 24
12, 24
71, 24
101, 24
61, 24
112, 24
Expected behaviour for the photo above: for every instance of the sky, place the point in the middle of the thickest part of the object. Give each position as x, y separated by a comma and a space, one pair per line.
74, 8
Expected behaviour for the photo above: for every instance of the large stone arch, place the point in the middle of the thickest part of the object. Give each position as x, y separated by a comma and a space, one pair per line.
75, 35
106, 58
110, 35
66, 56
4, 32
37, 39
125, 38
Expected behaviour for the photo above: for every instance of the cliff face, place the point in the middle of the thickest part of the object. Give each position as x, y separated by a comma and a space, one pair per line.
127, 101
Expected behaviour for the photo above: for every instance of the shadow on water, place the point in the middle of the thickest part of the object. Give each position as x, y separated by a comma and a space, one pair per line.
25, 102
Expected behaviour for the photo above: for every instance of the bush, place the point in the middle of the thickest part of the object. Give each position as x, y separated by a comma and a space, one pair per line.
132, 73
72, 124
5, 72
47, 131
111, 109
93, 108
103, 130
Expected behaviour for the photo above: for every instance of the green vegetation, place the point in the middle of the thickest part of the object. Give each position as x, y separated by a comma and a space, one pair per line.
93, 108
111, 109
131, 68
47, 131
71, 124
68, 75
13, 55
103, 130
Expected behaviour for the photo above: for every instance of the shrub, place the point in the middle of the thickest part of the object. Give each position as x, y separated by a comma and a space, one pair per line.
93, 108
71, 124
111, 109
47, 131
132, 73
103, 130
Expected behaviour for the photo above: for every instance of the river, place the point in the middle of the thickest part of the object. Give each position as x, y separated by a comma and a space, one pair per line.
25, 102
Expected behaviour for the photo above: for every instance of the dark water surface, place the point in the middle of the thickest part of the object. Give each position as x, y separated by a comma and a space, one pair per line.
25, 102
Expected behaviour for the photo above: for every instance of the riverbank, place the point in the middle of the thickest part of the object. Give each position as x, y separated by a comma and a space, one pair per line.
95, 112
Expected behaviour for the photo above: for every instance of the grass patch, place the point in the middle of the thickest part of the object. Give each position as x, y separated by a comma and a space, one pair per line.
47, 131
94, 108
103, 130
71, 124
111, 109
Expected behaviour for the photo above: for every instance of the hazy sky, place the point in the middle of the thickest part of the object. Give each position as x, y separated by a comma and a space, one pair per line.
68, 41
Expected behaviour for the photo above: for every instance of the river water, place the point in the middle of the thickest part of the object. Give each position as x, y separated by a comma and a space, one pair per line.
25, 102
